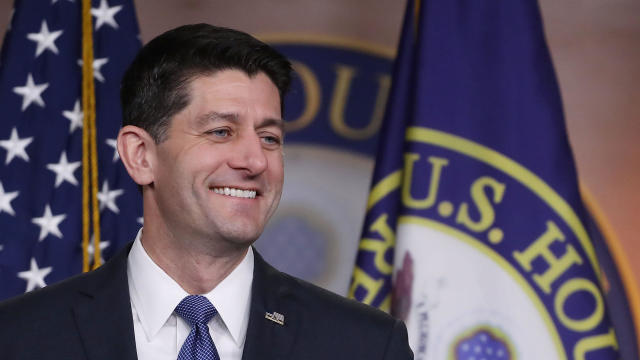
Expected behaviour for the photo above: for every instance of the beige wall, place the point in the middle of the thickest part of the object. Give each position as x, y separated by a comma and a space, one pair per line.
595, 46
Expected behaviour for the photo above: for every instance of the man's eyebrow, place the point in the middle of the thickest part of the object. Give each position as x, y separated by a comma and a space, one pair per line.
213, 116
277, 122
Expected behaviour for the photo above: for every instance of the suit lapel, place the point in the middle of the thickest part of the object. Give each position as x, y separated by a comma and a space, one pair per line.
266, 339
103, 312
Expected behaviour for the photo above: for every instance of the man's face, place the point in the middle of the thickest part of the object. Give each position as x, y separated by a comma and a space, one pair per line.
219, 172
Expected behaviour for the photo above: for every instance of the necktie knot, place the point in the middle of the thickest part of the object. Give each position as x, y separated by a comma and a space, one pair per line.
196, 309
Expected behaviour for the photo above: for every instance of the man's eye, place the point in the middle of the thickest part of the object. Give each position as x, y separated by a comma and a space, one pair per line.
271, 140
220, 132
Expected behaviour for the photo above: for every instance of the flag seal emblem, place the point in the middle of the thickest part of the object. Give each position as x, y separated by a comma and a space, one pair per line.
475, 179
491, 219
484, 342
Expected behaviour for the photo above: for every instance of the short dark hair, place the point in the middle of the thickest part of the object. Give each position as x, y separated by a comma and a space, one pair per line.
155, 86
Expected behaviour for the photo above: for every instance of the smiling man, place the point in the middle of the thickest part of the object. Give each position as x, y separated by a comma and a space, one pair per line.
203, 137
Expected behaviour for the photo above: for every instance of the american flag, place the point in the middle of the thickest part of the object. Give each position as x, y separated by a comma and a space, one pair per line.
41, 139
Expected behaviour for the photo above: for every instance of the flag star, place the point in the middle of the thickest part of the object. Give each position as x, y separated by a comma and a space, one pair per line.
97, 65
49, 223
105, 14
31, 92
114, 144
64, 170
91, 249
75, 116
108, 197
140, 220
5, 200
35, 276
45, 39
16, 146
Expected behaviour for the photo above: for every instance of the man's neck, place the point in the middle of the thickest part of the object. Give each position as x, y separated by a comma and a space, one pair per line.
197, 272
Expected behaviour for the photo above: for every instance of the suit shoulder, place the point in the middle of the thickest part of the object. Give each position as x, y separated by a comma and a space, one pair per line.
42, 299
63, 294
326, 303
53, 297
323, 315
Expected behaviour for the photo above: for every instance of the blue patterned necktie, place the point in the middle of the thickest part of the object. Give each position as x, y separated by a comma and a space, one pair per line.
197, 311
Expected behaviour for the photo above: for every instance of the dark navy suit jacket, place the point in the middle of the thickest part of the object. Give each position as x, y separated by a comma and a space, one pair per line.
89, 317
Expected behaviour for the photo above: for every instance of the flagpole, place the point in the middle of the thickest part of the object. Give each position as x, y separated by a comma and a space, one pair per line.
89, 147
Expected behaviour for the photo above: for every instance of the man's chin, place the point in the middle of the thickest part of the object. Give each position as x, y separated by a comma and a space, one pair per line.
240, 236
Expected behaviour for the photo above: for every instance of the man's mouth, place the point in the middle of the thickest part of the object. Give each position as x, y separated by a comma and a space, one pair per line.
235, 192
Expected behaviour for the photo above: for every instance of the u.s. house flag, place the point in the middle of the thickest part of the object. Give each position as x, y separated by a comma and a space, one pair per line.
474, 209
41, 126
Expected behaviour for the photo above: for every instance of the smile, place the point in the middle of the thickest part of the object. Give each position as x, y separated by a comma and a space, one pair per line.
240, 193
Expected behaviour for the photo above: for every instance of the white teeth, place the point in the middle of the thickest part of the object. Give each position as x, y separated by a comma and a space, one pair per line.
247, 194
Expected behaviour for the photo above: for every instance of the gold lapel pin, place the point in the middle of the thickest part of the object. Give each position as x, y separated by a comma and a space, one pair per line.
275, 317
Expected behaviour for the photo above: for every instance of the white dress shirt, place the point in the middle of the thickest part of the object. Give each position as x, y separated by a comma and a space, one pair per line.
160, 333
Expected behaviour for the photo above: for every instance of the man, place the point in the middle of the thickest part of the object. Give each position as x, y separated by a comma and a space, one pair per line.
202, 136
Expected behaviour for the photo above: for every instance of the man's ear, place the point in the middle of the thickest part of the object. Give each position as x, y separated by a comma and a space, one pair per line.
137, 150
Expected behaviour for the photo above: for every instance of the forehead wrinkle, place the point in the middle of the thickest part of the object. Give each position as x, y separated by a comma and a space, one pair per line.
215, 116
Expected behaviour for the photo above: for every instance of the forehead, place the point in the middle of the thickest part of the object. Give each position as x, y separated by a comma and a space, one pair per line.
234, 91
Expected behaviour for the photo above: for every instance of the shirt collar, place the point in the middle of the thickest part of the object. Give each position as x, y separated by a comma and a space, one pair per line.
155, 294
232, 298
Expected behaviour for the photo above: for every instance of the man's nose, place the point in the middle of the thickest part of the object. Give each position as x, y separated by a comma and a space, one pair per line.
249, 155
